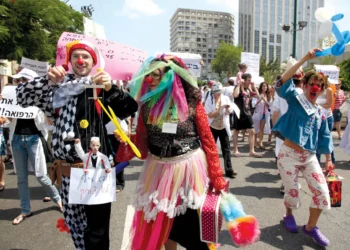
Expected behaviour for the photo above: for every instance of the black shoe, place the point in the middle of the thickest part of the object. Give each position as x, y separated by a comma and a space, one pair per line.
231, 175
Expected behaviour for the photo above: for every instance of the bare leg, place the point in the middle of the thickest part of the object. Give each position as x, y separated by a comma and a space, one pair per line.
235, 141
243, 134
251, 140
337, 127
261, 133
2, 172
170, 245
313, 218
289, 211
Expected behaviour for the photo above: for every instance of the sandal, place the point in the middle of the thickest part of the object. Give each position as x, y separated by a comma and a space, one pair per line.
256, 155
46, 199
2, 188
238, 154
119, 188
21, 218
7, 158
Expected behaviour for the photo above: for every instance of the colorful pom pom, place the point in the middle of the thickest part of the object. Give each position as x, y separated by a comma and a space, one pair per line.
244, 229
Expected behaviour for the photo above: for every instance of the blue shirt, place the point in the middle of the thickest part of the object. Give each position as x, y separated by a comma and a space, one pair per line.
310, 132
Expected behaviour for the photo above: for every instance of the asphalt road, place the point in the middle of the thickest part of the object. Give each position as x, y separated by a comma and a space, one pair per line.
257, 186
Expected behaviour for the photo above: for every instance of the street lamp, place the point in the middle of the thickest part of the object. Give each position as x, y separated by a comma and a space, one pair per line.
301, 25
87, 10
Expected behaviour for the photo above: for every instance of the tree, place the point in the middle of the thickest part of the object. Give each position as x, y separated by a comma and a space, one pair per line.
4, 31
345, 74
227, 59
270, 70
32, 28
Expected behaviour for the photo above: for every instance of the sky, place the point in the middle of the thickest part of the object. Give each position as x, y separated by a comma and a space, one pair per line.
145, 24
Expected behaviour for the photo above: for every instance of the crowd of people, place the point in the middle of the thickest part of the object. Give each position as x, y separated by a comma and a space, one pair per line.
177, 125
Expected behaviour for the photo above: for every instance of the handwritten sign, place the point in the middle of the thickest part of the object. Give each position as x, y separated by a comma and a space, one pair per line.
39, 67
192, 61
121, 60
331, 71
10, 108
94, 187
253, 62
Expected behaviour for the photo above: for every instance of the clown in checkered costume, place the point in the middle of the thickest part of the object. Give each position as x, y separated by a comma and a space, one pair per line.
64, 98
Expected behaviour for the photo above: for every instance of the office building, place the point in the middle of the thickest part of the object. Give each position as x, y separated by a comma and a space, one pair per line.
200, 32
261, 22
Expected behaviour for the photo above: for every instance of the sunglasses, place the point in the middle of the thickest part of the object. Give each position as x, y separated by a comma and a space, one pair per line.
155, 76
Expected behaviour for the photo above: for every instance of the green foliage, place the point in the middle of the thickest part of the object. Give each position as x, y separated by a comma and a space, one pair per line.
345, 74
270, 70
227, 59
32, 28
326, 60
201, 83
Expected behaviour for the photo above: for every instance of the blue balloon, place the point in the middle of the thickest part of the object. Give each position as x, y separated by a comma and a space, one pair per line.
338, 35
338, 49
337, 17
342, 38
325, 52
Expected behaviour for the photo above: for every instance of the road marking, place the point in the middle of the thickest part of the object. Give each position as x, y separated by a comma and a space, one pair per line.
127, 225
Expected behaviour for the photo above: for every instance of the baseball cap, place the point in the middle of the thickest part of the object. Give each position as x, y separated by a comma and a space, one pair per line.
216, 87
26, 73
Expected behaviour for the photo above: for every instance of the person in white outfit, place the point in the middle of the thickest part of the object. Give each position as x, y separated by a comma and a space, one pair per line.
218, 107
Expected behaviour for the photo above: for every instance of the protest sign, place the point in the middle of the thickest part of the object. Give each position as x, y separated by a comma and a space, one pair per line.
122, 61
10, 108
331, 71
94, 187
253, 62
40, 68
192, 61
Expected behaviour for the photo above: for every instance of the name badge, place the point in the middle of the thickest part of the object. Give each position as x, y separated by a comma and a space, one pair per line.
169, 128
307, 106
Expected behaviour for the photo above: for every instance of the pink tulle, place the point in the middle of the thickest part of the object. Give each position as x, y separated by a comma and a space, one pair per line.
151, 235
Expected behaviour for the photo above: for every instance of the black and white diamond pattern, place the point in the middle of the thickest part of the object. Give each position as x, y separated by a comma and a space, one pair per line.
74, 216
40, 94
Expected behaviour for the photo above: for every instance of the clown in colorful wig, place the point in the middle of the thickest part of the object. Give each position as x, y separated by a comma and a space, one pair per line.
180, 155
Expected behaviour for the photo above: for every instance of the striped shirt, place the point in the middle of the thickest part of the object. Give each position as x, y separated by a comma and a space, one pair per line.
339, 99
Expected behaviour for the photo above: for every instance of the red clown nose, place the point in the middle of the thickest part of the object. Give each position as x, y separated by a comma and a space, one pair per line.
315, 88
148, 80
80, 61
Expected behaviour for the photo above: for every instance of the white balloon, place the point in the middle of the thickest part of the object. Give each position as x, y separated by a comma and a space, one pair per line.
323, 14
70, 135
325, 29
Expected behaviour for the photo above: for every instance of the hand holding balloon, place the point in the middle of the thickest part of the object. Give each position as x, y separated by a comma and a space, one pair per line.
328, 19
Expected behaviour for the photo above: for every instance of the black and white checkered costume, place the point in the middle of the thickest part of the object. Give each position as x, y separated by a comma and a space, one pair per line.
67, 104
74, 216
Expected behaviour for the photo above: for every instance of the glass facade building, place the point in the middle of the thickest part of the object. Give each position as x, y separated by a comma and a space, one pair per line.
260, 27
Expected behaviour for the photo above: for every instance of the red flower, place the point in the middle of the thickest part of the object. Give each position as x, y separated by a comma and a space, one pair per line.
294, 193
319, 178
62, 226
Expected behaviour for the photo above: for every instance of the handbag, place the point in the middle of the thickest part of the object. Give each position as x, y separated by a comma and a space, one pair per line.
47, 151
210, 218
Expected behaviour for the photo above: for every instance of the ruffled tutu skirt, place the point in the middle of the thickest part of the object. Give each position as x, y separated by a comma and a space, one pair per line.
166, 188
